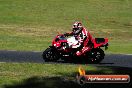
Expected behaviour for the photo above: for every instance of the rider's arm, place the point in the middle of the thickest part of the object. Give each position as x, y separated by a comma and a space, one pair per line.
68, 34
84, 34
89, 36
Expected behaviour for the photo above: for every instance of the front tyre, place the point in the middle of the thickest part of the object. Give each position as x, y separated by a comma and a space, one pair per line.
49, 55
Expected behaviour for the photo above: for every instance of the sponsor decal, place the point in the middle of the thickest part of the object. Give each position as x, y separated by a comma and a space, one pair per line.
82, 78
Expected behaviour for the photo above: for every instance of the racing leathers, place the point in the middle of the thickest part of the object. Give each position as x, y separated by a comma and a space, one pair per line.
79, 39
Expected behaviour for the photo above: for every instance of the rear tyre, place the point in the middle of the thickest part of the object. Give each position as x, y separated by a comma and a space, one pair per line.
49, 55
97, 55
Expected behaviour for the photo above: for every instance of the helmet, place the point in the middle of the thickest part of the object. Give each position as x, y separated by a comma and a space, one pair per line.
77, 27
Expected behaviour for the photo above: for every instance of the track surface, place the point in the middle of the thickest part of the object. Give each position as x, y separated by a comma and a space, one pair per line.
35, 57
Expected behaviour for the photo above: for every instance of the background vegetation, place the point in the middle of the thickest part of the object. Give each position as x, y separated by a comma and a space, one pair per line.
31, 24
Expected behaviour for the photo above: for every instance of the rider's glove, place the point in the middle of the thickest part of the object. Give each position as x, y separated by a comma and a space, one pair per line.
66, 34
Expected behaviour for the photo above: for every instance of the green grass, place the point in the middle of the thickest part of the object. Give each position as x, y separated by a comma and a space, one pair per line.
16, 72
31, 24
33, 75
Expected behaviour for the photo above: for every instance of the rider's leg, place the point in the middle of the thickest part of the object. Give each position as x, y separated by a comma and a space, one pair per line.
83, 50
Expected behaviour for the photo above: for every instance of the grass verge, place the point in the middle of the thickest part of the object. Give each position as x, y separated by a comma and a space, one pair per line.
33, 75
31, 25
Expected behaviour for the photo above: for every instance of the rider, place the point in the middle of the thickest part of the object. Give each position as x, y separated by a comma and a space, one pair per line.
79, 38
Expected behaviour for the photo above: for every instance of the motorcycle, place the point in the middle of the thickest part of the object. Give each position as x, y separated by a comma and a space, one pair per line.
58, 51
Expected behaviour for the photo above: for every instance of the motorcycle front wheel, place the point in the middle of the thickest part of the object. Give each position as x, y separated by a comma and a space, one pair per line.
49, 55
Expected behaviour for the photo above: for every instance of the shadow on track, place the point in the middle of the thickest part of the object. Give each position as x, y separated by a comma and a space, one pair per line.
83, 62
106, 63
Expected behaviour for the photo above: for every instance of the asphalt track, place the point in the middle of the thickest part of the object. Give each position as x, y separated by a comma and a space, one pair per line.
35, 57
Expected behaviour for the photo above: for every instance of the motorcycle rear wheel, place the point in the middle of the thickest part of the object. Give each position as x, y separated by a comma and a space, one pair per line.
97, 55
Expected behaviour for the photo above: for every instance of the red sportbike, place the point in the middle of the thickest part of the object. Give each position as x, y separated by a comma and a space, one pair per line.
57, 50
